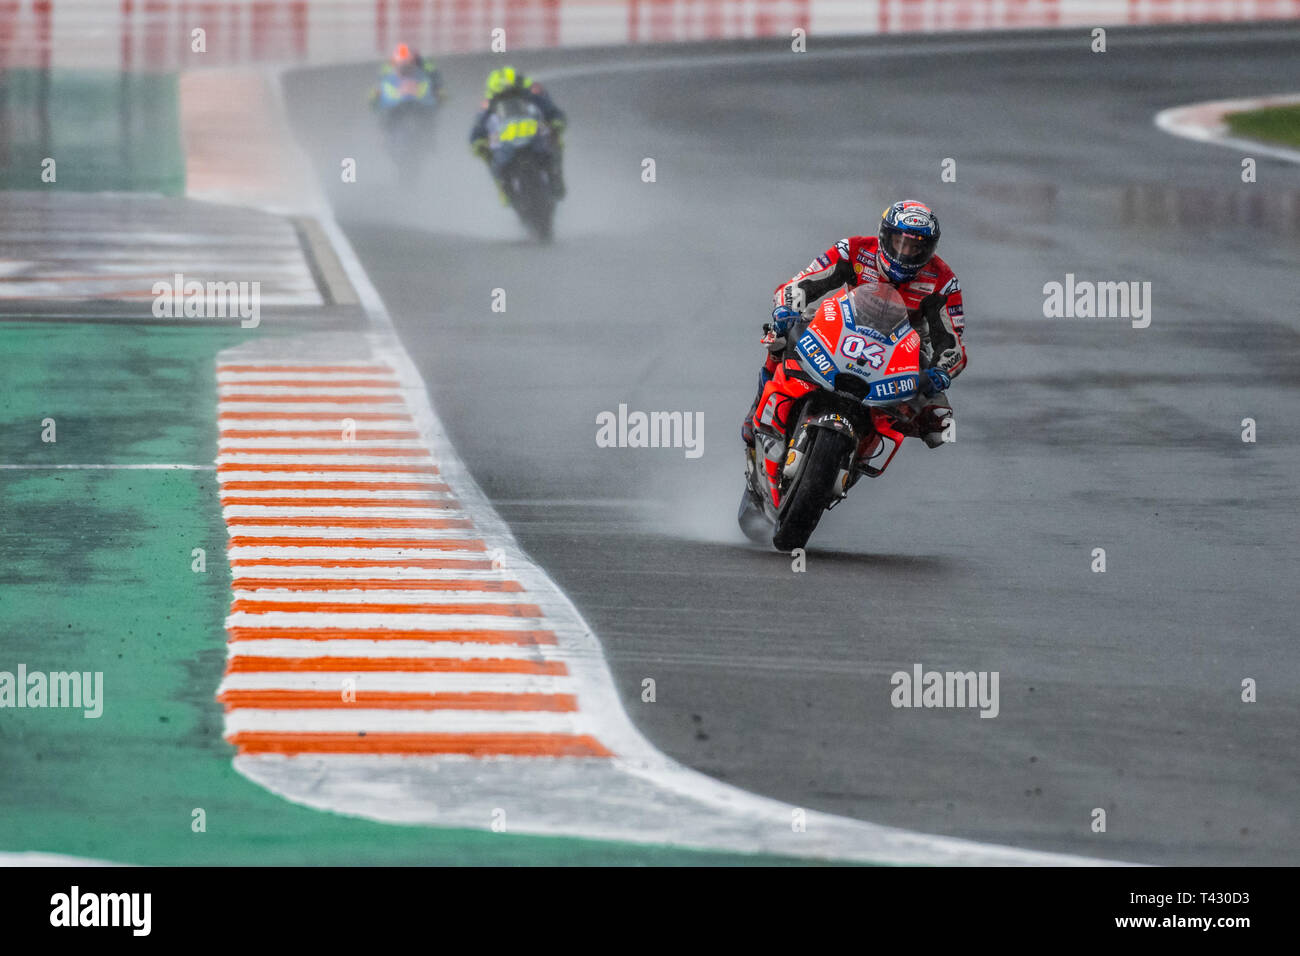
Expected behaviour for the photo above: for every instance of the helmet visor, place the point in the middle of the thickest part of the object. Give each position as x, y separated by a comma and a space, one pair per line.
911, 250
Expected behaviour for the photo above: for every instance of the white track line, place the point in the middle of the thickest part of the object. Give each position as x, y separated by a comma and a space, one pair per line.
395, 572
321, 441
286, 422
1204, 122
244, 552
307, 494
231, 409
398, 681
340, 511
250, 534
356, 596
299, 392
304, 374
351, 531
428, 478
244, 459
357, 647
50, 859
354, 718
430, 622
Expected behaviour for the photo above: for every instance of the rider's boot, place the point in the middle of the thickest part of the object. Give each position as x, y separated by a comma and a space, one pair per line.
934, 421
747, 426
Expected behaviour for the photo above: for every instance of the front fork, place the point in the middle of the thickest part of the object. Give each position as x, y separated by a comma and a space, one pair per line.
830, 422
778, 461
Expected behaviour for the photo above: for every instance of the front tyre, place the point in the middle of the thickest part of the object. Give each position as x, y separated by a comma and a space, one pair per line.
812, 490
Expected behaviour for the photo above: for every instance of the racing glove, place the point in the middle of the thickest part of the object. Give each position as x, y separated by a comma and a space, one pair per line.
773, 341
783, 318
934, 380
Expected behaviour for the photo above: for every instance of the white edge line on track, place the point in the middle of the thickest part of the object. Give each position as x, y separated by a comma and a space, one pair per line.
637, 757
153, 467
36, 858
1203, 122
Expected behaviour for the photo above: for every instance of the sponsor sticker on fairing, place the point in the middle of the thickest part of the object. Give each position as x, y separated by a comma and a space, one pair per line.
811, 349
877, 335
898, 386
857, 348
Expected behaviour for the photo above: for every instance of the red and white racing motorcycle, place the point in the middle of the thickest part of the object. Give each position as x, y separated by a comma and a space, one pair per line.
836, 409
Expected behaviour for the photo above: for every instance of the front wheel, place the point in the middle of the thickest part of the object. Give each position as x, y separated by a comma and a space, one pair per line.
812, 491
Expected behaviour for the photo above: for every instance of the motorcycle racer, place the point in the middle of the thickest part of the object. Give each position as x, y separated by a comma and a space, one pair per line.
902, 254
407, 64
508, 82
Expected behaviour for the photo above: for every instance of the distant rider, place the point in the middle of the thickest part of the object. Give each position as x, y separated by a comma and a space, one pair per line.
902, 254
502, 84
407, 64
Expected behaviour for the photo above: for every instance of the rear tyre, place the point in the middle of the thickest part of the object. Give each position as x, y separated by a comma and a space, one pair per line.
751, 519
812, 490
545, 229
533, 198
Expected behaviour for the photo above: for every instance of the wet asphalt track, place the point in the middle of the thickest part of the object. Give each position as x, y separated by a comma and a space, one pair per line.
1118, 690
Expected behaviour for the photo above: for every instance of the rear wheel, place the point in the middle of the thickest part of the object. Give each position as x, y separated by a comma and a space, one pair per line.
545, 220
533, 197
812, 491
753, 522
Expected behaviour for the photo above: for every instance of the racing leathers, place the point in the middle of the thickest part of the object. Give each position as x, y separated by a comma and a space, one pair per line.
552, 115
932, 296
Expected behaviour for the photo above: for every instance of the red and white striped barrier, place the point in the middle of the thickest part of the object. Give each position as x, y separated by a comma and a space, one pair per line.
160, 34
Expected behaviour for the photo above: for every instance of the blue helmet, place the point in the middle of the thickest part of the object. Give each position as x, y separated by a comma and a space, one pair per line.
909, 234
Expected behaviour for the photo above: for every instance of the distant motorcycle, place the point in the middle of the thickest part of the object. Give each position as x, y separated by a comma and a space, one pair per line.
835, 410
522, 149
407, 107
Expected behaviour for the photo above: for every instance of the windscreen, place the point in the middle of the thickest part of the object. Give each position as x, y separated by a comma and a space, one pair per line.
515, 106
877, 305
